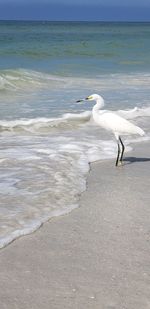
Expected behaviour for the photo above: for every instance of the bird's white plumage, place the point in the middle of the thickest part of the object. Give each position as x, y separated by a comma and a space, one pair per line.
111, 121
114, 123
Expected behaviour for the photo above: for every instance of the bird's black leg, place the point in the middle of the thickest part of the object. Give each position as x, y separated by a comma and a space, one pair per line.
117, 160
123, 148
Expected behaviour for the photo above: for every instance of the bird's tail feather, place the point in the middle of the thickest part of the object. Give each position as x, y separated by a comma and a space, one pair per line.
140, 131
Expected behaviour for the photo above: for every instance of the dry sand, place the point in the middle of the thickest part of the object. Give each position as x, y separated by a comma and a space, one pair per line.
98, 256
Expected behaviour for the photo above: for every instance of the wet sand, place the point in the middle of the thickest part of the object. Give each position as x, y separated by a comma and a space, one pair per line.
96, 257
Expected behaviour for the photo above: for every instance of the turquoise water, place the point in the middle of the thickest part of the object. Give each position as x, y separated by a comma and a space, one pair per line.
46, 138
75, 48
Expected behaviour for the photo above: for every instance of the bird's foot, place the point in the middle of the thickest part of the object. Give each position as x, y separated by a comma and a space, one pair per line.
120, 163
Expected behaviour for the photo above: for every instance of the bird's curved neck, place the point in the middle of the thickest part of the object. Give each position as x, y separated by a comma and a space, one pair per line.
99, 104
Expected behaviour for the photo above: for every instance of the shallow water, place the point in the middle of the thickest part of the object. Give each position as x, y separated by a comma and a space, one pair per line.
47, 140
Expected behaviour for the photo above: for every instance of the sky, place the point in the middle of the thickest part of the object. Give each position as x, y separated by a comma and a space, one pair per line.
75, 10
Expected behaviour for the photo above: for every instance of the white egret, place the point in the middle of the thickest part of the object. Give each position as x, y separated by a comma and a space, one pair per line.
112, 122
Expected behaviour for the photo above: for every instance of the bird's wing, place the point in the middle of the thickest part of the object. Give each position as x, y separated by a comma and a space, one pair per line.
116, 123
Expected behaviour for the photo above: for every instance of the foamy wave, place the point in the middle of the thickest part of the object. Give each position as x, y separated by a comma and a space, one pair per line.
68, 119
135, 112
32, 226
16, 79
21, 79
40, 190
35, 124
42, 175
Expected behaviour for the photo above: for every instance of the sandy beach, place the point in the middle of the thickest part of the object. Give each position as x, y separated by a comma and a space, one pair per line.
96, 257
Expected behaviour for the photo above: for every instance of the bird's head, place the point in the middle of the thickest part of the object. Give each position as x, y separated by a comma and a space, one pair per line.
92, 97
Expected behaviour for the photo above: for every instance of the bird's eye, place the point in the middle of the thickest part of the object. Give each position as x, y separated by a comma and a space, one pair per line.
89, 98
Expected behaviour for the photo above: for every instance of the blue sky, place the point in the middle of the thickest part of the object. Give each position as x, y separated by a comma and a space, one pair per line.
119, 10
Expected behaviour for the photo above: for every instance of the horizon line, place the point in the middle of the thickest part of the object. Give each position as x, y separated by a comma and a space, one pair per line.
92, 21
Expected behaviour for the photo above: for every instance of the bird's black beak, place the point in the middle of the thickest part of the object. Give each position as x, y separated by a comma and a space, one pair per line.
81, 100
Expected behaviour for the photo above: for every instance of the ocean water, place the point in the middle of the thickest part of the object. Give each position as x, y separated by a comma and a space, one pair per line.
47, 140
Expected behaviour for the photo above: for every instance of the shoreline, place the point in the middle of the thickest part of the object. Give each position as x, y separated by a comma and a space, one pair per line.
95, 257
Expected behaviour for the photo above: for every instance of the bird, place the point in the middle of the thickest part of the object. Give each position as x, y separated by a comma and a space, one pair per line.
112, 122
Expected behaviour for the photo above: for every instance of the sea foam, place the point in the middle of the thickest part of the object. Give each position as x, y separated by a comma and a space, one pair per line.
44, 160
43, 172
